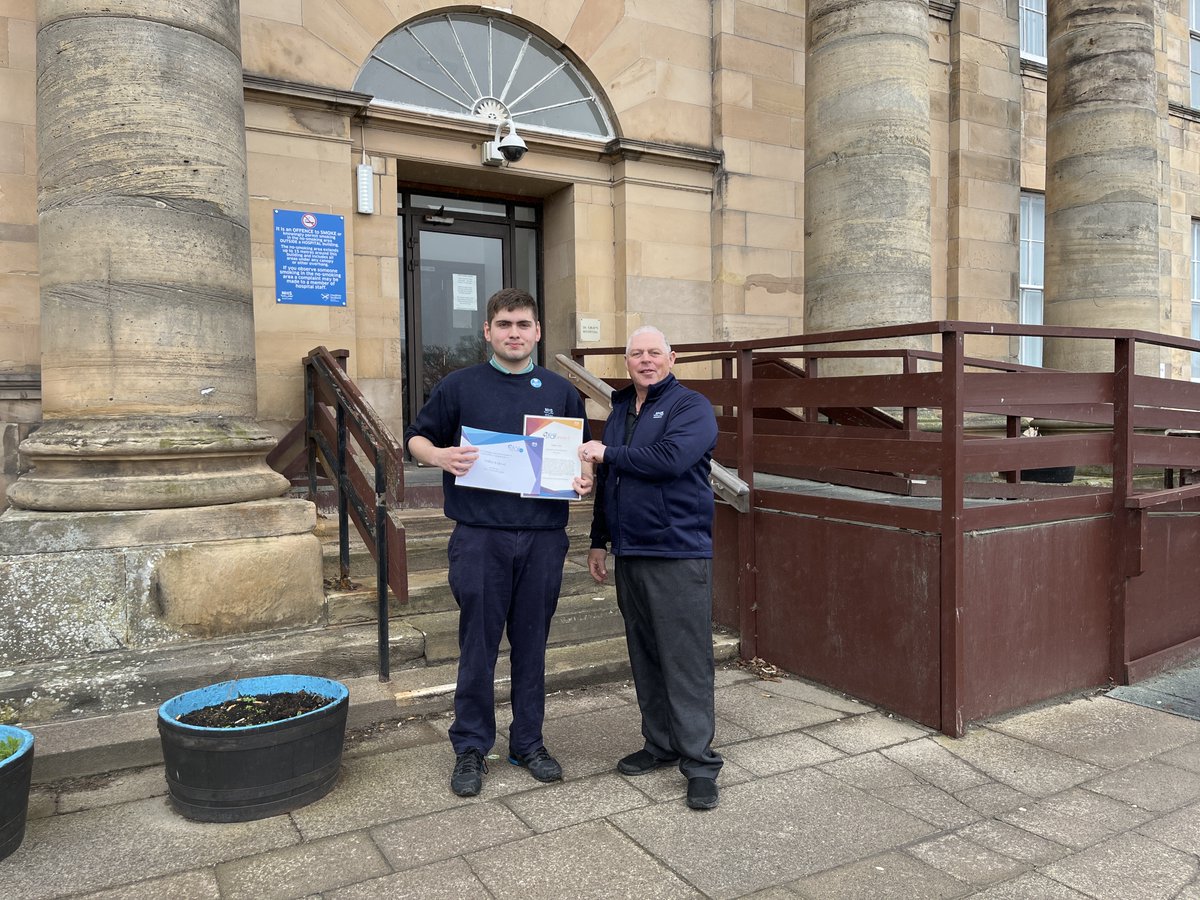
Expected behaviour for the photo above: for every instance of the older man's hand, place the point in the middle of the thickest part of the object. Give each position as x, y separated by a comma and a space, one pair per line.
592, 452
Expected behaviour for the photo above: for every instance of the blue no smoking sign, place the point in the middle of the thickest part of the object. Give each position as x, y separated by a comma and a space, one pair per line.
310, 258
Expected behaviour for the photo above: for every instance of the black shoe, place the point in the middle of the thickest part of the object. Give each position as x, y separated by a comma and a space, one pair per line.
469, 769
541, 765
642, 762
703, 793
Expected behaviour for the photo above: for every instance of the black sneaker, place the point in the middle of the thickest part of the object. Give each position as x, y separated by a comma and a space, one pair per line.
702, 793
469, 769
541, 765
642, 763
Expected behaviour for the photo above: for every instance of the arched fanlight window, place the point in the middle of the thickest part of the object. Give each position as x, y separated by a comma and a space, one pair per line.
482, 67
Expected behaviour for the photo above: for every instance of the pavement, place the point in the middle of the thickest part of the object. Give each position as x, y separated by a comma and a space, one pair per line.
823, 797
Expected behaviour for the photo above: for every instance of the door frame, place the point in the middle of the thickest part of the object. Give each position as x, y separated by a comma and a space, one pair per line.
413, 221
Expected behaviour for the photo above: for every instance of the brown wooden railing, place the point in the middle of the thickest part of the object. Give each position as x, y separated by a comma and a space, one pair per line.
347, 443
944, 426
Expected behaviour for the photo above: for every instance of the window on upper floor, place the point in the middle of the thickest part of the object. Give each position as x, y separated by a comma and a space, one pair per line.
474, 66
1194, 67
1196, 296
1033, 243
1033, 29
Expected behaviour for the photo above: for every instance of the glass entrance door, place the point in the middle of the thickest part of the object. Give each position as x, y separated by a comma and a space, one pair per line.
458, 253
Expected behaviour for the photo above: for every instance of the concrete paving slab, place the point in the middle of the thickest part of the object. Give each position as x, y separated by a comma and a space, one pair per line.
1077, 818
726, 732
993, 798
779, 753
787, 826
451, 880
1150, 785
43, 802
575, 701
572, 802
1190, 892
591, 743
1033, 770
373, 790
302, 869
389, 735
818, 695
118, 845
932, 763
111, 789
417, 842
1101, 731
869, 771
592, 860
1015, 843
1130, 867
728, 674
932, 804
1030, 887
187, 886
966, 860
891, 876
759, 709
872, 731
1180, 830
1185, 757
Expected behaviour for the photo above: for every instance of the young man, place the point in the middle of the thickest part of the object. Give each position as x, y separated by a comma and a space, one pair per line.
655, 506
506, 551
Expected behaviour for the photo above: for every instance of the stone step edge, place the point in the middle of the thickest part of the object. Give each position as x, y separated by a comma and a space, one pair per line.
129, 740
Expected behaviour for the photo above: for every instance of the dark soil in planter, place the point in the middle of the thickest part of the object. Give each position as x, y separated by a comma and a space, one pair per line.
255, 709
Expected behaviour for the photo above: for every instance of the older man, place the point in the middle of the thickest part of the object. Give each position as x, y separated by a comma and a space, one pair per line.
655, 507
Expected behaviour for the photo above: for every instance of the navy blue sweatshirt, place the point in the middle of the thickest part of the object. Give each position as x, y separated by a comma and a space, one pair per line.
482, 397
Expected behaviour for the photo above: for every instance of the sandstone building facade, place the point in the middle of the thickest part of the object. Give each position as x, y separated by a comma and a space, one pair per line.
723, 169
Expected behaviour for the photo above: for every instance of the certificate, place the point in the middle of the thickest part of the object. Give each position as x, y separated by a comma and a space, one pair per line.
557, 449
506, 461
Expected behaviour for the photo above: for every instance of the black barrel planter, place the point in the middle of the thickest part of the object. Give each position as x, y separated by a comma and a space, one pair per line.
16, 771
255, 771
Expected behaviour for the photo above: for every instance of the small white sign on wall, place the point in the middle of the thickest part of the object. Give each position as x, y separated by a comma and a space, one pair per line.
589, 330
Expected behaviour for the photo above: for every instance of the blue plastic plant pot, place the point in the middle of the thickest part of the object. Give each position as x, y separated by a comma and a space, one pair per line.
16, 772
253, 771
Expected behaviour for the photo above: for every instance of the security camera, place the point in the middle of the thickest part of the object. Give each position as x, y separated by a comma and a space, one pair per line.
504, 150
511, 147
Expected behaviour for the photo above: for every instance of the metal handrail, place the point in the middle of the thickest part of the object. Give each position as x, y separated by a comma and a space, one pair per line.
725, 484
355, 421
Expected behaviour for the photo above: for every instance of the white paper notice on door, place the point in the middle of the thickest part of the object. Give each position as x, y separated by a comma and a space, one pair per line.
466, 292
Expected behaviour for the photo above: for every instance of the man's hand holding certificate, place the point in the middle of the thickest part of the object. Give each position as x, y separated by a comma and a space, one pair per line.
542, 463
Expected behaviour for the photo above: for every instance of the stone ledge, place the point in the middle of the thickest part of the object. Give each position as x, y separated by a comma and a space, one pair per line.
26, 532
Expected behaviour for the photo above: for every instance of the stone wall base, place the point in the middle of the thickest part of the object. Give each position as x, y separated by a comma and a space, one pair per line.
73, 584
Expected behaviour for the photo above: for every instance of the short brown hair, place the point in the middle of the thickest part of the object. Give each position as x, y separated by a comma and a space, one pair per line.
508, 299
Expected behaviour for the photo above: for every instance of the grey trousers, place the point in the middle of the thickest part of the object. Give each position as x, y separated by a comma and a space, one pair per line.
667, 606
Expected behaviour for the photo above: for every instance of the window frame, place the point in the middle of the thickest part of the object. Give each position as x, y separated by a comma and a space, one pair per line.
1032, 278
1033, 23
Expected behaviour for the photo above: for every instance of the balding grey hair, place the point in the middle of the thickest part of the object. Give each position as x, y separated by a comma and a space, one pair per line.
647, 329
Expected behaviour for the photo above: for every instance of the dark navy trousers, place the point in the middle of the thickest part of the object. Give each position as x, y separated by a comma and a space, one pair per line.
503, 579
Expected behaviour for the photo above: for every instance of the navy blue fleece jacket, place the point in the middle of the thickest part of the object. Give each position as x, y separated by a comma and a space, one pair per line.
652, 494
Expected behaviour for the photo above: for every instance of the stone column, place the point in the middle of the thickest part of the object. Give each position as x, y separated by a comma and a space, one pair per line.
150, 512
148, 380
1102, 178
866, 170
